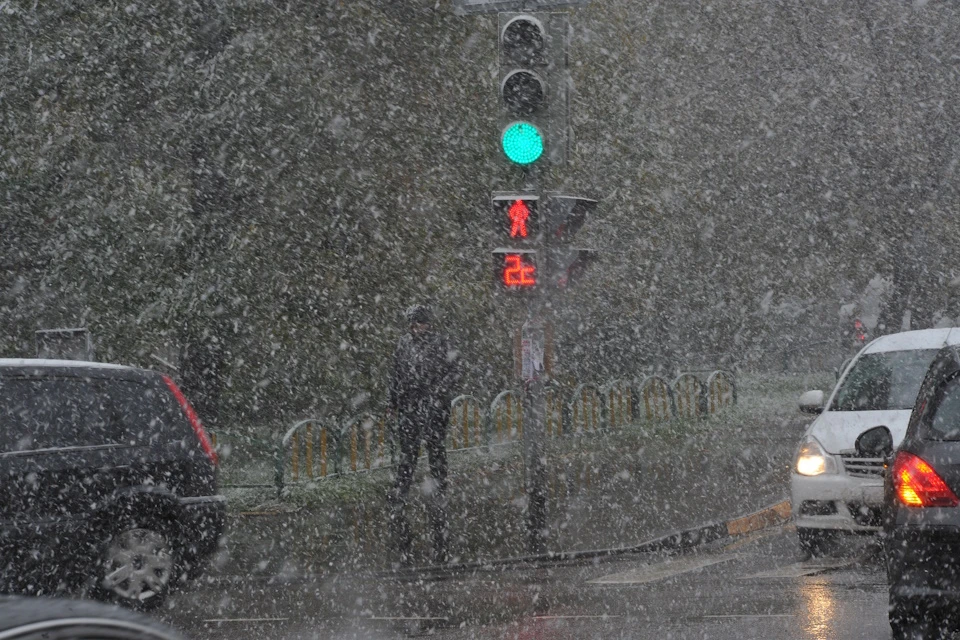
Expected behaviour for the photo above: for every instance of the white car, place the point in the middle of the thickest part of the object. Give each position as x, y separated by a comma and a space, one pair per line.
834, 487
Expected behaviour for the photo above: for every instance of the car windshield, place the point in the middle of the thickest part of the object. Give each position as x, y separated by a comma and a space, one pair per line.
883, 381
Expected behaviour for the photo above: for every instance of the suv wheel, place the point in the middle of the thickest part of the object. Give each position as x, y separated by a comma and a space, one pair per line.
137, 568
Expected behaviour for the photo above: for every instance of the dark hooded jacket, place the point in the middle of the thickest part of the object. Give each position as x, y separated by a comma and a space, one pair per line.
425, 377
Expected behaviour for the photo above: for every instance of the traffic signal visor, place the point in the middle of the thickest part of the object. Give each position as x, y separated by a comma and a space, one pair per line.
567, 214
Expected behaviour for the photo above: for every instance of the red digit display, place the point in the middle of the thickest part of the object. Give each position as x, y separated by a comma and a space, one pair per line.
517, 272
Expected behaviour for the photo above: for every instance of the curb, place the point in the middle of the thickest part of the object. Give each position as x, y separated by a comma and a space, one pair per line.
685, 539
765, 518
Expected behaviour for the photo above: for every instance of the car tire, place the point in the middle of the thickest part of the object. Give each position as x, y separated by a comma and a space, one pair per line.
815, 542
138, 566
27, 618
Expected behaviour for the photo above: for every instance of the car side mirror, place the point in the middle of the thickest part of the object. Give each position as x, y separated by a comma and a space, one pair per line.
812, 402
875, 443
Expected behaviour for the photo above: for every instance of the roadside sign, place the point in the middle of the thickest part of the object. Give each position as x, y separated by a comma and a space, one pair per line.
532, 351
465, 7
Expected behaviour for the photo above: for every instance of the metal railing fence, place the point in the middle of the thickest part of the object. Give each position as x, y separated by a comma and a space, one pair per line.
313, 449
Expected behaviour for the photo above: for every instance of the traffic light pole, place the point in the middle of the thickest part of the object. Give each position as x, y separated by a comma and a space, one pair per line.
534, 104
533, 343
534, 374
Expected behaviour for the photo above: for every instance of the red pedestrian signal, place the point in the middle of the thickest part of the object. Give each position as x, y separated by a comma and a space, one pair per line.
516, 216
519, 213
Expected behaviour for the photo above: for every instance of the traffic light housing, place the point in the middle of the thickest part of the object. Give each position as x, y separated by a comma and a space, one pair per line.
565, 216
532, 87
567, 265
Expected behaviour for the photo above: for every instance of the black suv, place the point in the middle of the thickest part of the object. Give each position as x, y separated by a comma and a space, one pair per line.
107, 480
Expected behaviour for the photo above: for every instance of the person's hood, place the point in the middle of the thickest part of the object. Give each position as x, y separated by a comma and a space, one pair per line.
838, 430
419, 313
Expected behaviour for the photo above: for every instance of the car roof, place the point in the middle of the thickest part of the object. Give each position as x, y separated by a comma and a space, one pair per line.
73, 368
34, 363
912, 340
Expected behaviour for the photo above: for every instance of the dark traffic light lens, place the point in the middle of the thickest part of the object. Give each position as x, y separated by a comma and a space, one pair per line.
523, 38
523, 92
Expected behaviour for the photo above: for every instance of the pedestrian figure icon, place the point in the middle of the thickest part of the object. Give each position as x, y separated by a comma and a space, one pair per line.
519, 214
516, 216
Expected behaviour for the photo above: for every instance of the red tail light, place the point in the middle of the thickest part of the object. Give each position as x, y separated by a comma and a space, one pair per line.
193, 418
918, 485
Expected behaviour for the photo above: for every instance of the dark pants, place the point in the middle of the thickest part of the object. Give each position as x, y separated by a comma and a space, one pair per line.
413, 428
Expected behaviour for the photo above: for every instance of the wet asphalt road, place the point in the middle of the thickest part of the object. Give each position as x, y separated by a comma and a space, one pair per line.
754, 587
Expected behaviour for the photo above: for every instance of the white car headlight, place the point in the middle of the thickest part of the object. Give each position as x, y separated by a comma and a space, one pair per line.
812, 460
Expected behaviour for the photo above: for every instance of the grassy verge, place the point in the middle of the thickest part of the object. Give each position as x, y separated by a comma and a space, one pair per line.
765, 402
605, 489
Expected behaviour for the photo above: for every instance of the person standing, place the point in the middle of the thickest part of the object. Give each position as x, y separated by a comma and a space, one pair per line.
423, 380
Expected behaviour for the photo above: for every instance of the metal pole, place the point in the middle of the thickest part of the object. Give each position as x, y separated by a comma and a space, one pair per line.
533, 374
534, 451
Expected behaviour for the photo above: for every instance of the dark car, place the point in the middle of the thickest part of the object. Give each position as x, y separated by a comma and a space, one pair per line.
107, 482
922, 510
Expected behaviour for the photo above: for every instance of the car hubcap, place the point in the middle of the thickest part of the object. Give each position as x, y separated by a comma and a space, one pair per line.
137, 565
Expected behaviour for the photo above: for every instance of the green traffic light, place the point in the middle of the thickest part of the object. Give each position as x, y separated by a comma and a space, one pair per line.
522, 143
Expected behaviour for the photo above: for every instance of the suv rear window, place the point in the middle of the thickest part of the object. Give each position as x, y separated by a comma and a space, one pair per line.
52, 412
43, 413
144, 409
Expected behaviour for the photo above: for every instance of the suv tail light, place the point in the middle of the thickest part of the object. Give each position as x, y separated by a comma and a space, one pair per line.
194, 420
918, 485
